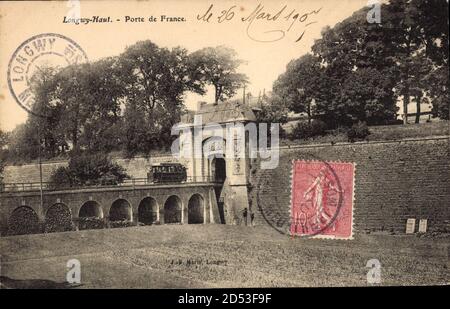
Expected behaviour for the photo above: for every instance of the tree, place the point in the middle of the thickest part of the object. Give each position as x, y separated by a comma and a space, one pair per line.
101, 131
302, 84
87, 98
368, 67
421, 66
358, 79
404, 30
217, 66
156, 80
419, 32
70, 101
434, 18
273, 110
365, 95
143, 131
347, 79
79, 105
20, 147
38, 135
438, 84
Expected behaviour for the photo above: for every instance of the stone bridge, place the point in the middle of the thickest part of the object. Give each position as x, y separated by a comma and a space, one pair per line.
147, 204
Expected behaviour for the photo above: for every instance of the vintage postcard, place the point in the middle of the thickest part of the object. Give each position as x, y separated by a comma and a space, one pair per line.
224, 144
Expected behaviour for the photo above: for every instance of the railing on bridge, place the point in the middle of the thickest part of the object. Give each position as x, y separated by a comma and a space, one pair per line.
132, 182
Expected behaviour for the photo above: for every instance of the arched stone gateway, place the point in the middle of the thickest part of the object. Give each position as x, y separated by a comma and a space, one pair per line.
90, 216
172, 210
148, 211
58, 219
23, 220
196, 209
229, 136
120, 211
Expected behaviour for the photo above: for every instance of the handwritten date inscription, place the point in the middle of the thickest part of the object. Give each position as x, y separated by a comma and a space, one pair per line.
275, 23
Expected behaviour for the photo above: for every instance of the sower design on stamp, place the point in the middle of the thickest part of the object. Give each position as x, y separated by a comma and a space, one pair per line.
322, 199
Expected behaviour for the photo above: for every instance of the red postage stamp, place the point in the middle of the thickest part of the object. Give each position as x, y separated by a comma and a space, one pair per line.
322, 199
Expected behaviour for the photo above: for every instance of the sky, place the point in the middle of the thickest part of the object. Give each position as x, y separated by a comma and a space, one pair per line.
266, 45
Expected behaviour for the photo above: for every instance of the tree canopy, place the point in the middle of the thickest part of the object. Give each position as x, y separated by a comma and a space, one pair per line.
218, 66
126, 103
357, 70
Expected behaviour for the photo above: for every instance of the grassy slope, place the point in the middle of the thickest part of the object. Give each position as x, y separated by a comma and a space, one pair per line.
241, 257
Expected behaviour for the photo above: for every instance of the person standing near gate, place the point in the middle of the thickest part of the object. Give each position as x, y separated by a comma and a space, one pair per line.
244, 214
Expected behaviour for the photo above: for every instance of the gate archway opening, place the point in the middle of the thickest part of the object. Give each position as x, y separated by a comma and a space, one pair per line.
172, 210
58, 219
148, 211
218, 169
121, 211
219, 174
196, 209
23, 220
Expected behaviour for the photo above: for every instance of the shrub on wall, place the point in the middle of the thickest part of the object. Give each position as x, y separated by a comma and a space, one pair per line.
305, 130
88, 169
58, 219
23, 221
91, 223
121, 223
60, 179
359, 131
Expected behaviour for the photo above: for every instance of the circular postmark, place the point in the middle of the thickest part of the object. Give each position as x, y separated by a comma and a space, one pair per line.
316, 199
36, 55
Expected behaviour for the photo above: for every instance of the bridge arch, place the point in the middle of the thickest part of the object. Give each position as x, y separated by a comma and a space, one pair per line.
121, 210
23, 220
58, 218
90, 209
172, 209
196, 208
90, 216
148, 211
